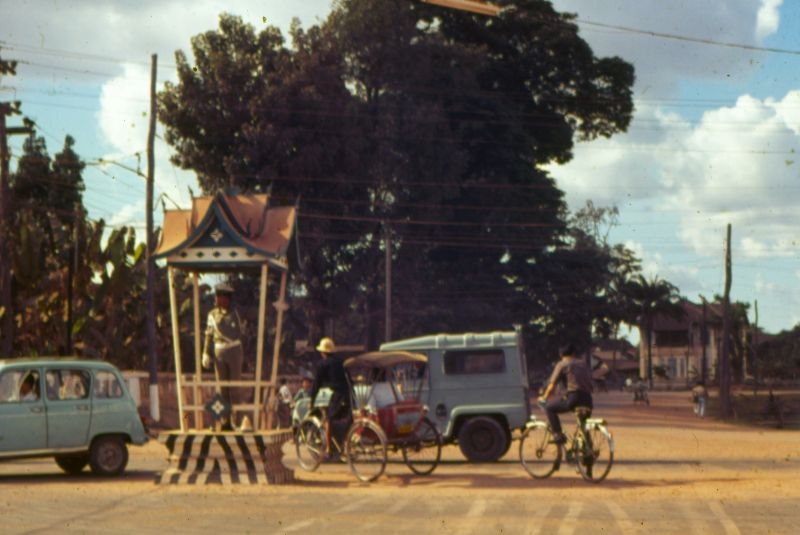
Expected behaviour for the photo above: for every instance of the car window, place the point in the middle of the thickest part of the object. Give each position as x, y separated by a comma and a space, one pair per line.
106, 385
474, 362
67, 384
19, 386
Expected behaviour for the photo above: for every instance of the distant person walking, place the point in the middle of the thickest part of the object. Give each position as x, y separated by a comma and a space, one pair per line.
699, 398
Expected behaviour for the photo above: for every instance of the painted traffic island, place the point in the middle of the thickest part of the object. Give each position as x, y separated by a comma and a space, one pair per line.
225, 457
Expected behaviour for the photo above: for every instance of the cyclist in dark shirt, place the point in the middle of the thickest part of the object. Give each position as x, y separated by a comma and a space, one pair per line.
578, 378
330, 373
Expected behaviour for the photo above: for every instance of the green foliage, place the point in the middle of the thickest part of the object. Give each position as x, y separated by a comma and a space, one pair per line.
430, 125
779, 357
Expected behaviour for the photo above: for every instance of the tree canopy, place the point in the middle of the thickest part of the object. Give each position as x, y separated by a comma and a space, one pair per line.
427, 125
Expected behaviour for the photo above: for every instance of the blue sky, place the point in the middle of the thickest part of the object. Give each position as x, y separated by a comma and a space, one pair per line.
715, 138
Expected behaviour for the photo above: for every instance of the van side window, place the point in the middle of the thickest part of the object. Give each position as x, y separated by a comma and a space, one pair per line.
474, 362
107, 385
66, 384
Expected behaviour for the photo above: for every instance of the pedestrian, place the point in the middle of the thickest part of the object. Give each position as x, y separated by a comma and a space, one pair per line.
284, 404
577, 377
699, 398
302, 400
223, 346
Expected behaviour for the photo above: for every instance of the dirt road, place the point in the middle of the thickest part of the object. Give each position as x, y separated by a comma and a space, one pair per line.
673, 473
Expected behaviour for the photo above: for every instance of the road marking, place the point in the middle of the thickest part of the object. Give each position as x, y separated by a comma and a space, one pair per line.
393, 510
621, 517
725, 520
355, 505
697, 524
296, 526
476, 511
570, 521
541, 516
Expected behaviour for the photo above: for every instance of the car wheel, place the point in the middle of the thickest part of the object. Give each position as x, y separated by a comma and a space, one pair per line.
482, 439
72, 464
108, 456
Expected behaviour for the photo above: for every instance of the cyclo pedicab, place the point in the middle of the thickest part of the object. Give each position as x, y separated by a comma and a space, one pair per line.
387, 415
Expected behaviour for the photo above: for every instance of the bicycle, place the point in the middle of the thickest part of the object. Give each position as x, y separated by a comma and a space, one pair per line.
590, 447
310, 441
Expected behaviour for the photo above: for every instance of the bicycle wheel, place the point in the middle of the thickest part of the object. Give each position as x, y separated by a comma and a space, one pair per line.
365, 448
538, 453
423, 449
309, 444
597, 454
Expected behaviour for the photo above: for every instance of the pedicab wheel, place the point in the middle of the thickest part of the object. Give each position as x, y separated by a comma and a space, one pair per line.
365, 449
538, 453
597, 456
423, 449
310, 444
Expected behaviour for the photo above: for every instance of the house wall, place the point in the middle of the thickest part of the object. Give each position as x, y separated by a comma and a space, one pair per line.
682, 362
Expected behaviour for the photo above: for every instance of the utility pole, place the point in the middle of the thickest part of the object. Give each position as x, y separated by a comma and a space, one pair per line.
704, 343
388, 319
754, 343
724, 366
150, 318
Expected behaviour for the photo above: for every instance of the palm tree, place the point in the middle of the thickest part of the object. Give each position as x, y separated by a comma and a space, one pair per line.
648, 299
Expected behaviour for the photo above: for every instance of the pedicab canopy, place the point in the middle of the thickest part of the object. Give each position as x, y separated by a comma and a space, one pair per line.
384, 359
226, 233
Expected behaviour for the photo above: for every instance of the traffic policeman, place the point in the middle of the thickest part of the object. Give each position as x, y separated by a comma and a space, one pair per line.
223, 343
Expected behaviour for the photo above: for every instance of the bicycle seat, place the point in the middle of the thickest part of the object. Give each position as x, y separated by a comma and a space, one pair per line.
582, 412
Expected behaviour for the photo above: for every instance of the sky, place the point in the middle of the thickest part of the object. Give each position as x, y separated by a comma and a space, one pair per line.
715, 137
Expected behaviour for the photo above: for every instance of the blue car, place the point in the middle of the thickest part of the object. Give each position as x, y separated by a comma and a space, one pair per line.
77, 411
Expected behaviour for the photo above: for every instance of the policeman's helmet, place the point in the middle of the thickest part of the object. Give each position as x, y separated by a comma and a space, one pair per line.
223, 288
326, 345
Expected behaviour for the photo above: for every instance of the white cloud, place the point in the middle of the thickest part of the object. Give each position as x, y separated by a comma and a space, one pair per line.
662, 63
131, 214
738, 165
768, 18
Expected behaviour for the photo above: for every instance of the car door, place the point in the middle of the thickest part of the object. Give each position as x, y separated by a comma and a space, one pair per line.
69, 406
23, 416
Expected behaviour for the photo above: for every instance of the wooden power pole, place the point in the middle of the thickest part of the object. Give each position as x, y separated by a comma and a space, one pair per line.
724, 363
388, 273
150, 318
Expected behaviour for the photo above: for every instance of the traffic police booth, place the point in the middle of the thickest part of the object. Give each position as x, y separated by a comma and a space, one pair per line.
226, 234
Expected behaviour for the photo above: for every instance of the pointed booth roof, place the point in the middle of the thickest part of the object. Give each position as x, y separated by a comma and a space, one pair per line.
227, 231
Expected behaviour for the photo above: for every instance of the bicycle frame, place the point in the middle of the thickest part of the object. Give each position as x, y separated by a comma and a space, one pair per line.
579, 449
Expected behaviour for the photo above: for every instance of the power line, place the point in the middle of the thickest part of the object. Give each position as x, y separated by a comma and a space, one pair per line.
699, 40
64, 53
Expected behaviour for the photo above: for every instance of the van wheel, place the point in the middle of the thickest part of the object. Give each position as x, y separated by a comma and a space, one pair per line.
482, 439
72, 464
108, 456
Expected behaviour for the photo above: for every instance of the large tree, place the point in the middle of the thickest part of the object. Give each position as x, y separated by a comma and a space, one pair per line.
430, 125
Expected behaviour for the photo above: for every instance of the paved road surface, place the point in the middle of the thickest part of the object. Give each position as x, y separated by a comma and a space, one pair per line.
674, 474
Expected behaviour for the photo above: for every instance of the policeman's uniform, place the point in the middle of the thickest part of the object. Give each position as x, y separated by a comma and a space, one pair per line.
224, 331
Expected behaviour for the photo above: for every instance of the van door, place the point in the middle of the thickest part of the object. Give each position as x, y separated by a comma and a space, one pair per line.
69, 407
23, 416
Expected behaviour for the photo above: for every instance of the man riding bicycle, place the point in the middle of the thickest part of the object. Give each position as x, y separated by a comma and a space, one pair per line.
577, 377
330, 373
